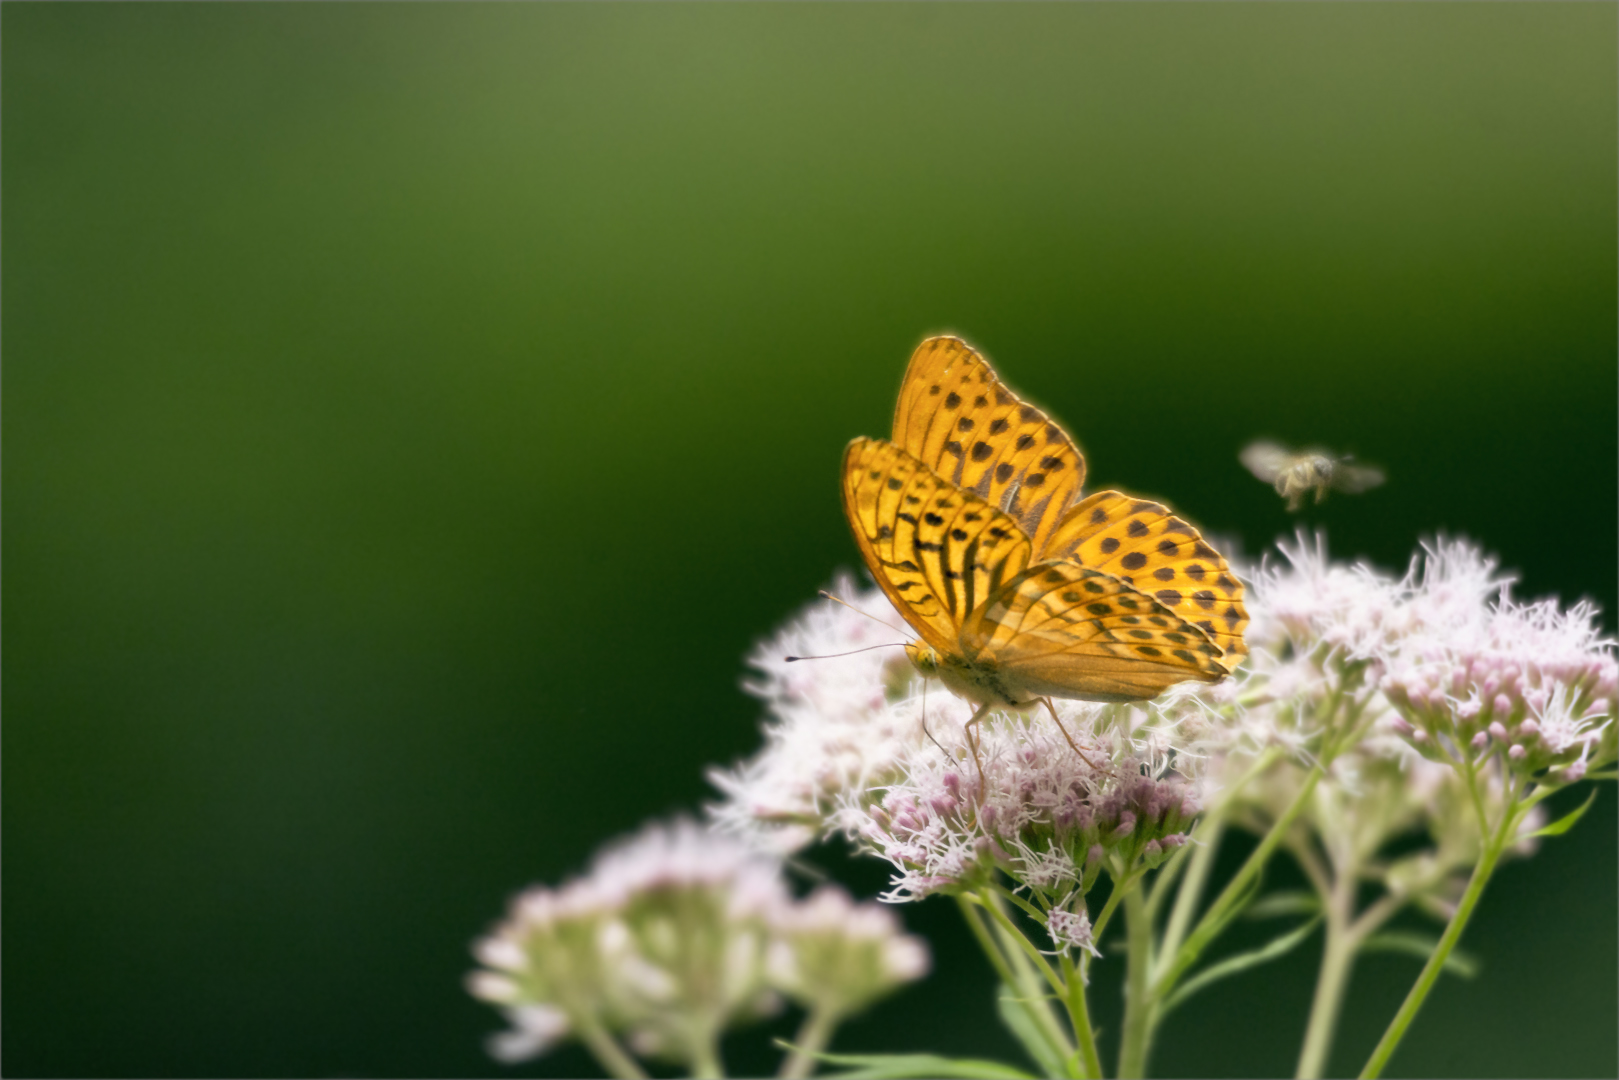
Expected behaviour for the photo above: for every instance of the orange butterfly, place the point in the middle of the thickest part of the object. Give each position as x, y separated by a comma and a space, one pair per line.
971, 522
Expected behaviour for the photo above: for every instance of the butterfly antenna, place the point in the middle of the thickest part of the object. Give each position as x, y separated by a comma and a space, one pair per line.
857, 611
851, 652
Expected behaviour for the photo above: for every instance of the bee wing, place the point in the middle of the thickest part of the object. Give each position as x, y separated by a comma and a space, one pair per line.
1351, 477
1265, 459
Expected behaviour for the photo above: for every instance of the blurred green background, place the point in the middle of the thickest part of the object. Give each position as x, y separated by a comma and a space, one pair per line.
413, 413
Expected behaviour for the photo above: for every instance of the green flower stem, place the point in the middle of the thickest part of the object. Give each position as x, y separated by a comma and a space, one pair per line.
975, 921
1214, 919
607, 1052
705, 1057
1207, 830
1106, 914
1187, 896
813, 1038
1138, 1002
1337, 961
1080, 1016
1009, 930
1016, 971
1493, 847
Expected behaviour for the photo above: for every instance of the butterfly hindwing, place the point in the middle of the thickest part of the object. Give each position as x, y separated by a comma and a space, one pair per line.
1063, 629
1156, 552
937, 551
957, 417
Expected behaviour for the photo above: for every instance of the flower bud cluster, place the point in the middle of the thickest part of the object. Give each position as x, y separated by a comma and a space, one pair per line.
1047, 815
675, 935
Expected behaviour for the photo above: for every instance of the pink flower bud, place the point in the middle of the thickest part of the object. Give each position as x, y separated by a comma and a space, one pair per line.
1517, 753
1498, 731
1480, 741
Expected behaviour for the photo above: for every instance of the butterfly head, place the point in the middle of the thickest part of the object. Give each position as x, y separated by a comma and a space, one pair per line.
924, 657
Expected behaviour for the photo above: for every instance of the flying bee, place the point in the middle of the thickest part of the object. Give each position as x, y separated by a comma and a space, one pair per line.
1298, 472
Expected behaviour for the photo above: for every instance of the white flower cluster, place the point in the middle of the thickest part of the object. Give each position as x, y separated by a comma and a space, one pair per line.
1480, 673
673, 936
1048, 813
845, 723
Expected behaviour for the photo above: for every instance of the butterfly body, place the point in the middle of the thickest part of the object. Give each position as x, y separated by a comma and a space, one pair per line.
981, 683
971, 522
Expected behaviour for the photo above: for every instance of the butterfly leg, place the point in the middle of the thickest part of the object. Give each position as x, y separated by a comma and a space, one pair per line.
925, 730
970, 730
1052, 709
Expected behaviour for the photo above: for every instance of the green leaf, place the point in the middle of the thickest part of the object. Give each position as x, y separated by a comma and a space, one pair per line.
1016, 1016
1566, 822
1241, 962
895, 1066
1277, 904
1412, 943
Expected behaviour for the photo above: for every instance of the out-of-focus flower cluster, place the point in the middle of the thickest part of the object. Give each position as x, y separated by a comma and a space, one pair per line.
1385, 679
673, 936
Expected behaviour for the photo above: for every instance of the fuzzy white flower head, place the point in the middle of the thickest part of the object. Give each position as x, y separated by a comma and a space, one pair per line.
1048, 815
1311, 602
1480, 673
1071, 929
832, 726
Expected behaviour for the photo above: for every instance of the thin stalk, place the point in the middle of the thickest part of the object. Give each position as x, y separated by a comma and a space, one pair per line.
997, 959
607, 1052
1138, 1003
1337, 961
1493, 847
813, 1037
705, 1057
1198, 868
1016, 951
1009, 929
1027, 988
1079, 1015
1215, 917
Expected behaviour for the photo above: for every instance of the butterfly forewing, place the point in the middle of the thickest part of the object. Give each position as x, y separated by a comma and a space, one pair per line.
1063, 629
935, 550
957, 417
1156, 552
